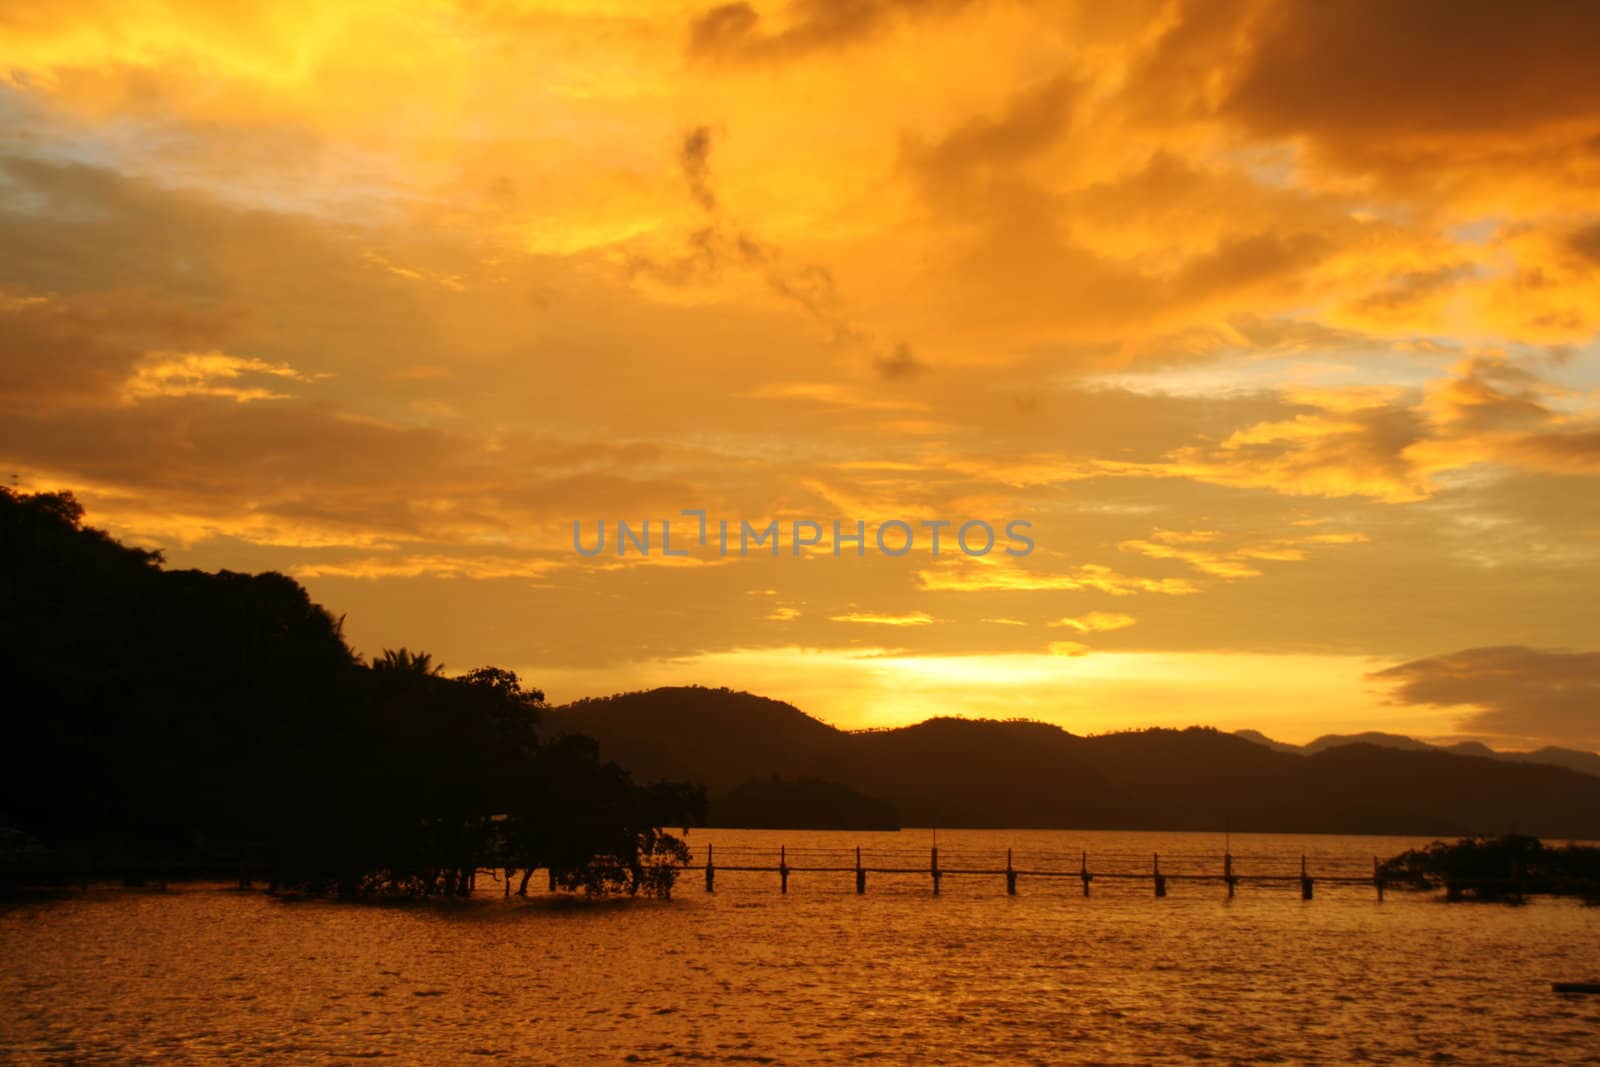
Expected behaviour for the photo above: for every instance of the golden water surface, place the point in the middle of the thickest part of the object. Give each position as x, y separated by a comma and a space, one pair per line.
205, 973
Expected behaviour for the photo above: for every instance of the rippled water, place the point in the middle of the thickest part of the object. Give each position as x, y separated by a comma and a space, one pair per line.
747, 974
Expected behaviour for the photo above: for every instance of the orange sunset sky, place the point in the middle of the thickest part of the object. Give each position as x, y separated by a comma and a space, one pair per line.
1277, 322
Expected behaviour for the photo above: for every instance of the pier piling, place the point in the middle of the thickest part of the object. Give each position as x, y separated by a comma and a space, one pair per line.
1131, 873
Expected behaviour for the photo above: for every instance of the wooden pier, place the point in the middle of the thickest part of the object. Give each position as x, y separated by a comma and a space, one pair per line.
1227, 876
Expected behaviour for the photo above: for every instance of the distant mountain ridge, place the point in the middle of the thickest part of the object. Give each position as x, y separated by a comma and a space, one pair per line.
966, 772
1570, 758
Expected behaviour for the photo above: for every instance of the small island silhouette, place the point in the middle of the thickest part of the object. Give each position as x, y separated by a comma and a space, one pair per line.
1506, 868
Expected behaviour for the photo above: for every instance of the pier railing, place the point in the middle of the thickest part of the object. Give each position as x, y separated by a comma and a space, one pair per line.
1121, 867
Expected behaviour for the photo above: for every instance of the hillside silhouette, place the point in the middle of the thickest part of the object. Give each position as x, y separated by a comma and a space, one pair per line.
800, 804
985, 773
1571, 758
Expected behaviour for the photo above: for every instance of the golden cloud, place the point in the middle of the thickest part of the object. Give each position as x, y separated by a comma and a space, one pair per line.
914, 618
164, 374
979, 576
1230, 563
1097, 622
1380, 443
431, 566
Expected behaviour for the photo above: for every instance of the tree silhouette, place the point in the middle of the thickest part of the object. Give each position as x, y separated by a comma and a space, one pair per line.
155, 717
407, 662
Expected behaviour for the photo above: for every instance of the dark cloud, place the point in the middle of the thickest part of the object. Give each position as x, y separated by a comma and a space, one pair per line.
1402, 90
1368, 68
1027, 260
901, 363
116, 276
708, 250
1240, 262
1366, 446
699, 261
1247, 333
1586, 243
809, 286
1404, 291
1278, 334
1488, 393
695, 158
74, 230
295, 462
1031, 122
1523, 695
1575, 451
1022, 269
76, 349
735, 32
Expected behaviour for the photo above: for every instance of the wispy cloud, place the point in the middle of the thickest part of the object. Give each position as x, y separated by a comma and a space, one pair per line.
872, 618
167, 374
1088, 576
1097, 622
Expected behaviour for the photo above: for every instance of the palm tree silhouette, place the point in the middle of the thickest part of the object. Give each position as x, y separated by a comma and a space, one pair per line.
404, 661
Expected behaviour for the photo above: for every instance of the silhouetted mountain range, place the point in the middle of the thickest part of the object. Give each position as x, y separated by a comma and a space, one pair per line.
1571, 758
964, 772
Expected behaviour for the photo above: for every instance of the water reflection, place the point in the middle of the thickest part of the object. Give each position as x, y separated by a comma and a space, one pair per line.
747, 974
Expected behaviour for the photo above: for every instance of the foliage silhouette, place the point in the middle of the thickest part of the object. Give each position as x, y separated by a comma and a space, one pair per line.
1504, 868
408, 662
157, 718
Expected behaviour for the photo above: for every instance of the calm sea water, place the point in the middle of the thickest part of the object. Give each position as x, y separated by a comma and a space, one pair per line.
202, 974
